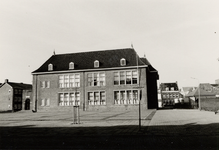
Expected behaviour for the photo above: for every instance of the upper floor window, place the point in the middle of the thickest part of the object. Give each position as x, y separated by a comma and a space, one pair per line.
96, 79
172, 88
96, 64
50, 67
45, 84
122, 62
167, 88
68, 81
125, 77
71, 65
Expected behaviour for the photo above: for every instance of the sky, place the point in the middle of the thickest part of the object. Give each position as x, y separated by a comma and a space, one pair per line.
179, 38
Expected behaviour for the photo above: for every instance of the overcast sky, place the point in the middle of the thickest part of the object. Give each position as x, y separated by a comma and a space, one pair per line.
180, 38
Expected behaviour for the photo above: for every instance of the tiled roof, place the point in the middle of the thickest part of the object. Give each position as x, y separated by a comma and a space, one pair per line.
163, 86
20, 85
203, 92
85, 60
150, 67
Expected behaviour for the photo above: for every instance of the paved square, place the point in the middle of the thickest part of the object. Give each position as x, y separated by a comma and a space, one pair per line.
161, 129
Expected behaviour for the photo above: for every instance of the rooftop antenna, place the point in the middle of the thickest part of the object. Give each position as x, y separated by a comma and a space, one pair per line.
54, 52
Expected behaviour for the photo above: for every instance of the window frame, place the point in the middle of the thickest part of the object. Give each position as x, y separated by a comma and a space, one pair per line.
123, 62
70, 100
96, 64
71, 65
69, 80
96, 81
95, 102
122, 74
127, 99
50, 67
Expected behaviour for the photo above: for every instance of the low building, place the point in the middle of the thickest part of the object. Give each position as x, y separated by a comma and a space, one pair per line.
204, 96
95, 80
15, 96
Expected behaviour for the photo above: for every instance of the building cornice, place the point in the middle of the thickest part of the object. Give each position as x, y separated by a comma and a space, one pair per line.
89, 70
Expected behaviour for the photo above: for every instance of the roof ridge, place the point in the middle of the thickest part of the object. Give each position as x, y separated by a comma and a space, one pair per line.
92, 51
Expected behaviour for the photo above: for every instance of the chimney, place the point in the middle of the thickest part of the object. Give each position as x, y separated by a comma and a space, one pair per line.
6, 80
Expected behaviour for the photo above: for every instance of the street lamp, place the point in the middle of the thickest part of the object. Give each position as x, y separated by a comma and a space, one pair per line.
199, 99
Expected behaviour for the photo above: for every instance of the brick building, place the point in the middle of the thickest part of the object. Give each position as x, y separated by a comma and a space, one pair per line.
15, 96
95, 80
170, 94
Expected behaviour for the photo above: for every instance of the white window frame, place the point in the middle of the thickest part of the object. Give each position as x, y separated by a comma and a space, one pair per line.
123, 62
100, 80
43, 102
69, 80
96, 64
119, 73
70, 100
45, 84
50, 67
99, 102
126, 101
71, 65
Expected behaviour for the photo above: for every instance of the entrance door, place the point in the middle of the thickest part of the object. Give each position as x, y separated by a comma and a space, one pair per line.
27, 104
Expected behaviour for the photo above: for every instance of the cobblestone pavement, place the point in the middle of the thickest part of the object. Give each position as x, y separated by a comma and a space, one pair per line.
161, 129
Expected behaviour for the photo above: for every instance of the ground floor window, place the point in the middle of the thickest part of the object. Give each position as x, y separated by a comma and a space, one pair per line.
97, 98
45, 102
126, 97
69, 99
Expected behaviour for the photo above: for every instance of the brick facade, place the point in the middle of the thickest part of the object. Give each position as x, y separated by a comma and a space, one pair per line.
49, 94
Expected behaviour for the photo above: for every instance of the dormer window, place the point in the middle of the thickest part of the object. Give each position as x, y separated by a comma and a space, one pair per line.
96, 64
71, 65
123, 62
50, 67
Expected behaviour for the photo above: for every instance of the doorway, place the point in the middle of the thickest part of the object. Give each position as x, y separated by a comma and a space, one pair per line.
27, 104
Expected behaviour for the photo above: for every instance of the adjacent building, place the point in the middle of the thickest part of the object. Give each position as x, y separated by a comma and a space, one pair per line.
15, 96
170, 94
95, 80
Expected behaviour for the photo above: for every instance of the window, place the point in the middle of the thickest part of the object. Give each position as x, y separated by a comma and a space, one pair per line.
45, 102
69, 99
96, 64
45, 84
71, 65
167, 89
50, 67
69, 81
116, 78
125, 77
126, 97
128, 77
97, 98
122, 62
96, 79
122, 77
48, 102
172, 88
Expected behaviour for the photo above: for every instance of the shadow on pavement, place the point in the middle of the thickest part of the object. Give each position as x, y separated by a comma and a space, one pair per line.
189, 136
